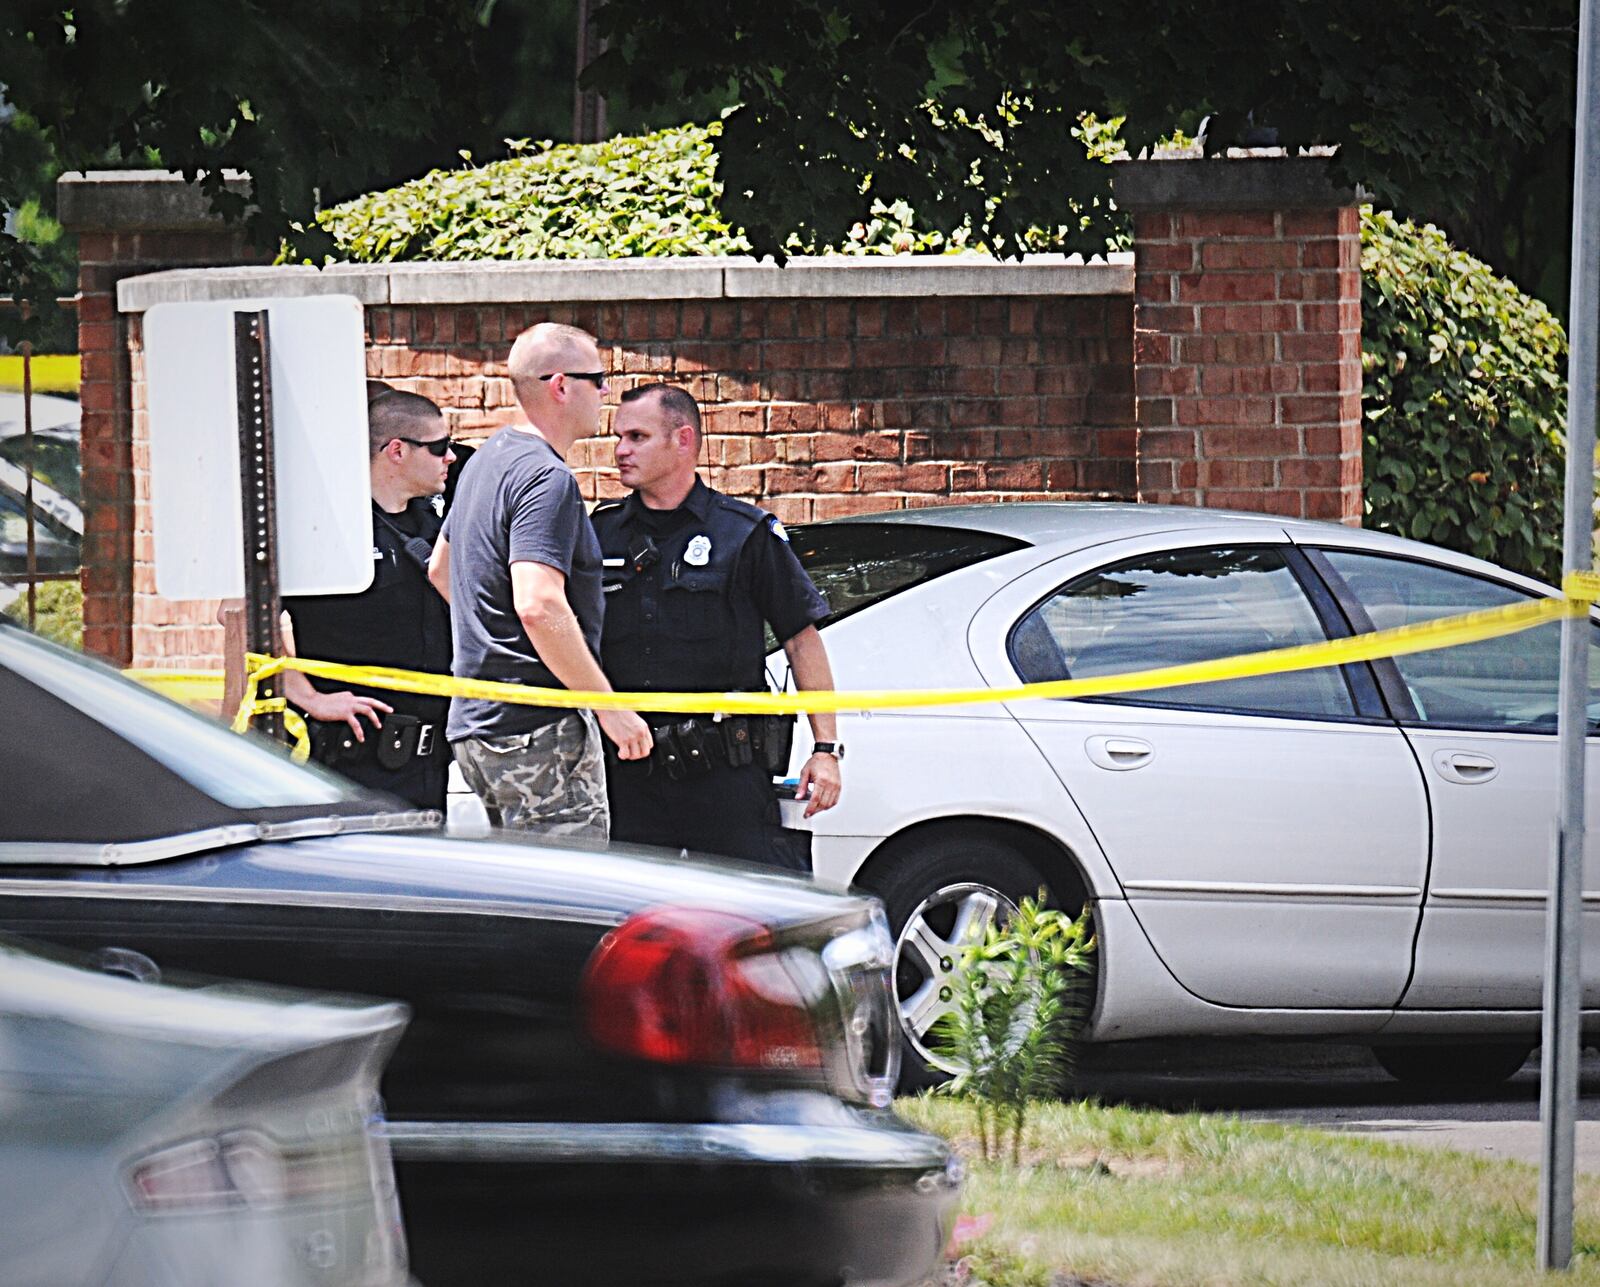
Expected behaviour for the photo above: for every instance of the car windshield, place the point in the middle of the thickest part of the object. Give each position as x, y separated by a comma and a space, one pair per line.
858, 564
237, 772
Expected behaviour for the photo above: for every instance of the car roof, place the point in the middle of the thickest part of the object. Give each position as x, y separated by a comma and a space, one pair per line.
1049, 522
1067, 526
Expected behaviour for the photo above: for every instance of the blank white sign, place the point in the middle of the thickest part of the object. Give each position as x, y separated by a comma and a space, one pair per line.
319, 424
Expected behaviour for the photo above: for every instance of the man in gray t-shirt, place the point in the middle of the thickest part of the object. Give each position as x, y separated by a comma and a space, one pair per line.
520, 565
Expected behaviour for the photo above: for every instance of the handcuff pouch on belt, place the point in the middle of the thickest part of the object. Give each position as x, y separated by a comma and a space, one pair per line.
400, 740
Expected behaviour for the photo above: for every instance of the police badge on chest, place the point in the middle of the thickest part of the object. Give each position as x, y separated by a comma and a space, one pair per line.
698, 552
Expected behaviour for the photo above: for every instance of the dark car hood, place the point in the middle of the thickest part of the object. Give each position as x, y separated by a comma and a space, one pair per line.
502, 873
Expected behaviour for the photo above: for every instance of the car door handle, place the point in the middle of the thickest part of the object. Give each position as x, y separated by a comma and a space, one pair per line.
127, 963
1466, 767
1119, 753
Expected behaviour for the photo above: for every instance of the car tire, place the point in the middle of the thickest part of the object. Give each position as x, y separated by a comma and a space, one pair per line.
1475, 1063
937, 881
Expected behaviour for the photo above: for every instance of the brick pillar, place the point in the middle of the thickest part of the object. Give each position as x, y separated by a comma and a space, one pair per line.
1247, 335
127, 222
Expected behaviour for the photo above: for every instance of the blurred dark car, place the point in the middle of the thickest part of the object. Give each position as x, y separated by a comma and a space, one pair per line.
621, 1067
158, 1136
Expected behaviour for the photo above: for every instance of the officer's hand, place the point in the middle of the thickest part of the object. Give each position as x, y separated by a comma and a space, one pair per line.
819, 783
332, 707
628, 731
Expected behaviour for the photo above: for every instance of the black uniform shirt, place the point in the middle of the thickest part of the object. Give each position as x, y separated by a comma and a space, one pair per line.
693, 621
399, 620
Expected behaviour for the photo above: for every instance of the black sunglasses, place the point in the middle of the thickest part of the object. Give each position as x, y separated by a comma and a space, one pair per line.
433, 446
596, 378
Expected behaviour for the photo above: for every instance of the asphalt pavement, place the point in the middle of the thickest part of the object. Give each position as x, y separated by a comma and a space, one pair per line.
1336, 1088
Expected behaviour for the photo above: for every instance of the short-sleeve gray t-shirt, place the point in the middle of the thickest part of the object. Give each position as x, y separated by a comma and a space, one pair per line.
516, 502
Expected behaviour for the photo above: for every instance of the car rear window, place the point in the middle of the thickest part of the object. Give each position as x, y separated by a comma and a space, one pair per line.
235, 772
856, 565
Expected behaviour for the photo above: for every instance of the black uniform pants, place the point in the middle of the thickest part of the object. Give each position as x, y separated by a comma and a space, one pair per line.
727, 811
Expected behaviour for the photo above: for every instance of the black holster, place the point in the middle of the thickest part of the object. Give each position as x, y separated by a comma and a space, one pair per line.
776, 740
333, 744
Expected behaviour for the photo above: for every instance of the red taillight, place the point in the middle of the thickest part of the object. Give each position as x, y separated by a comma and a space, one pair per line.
679, 985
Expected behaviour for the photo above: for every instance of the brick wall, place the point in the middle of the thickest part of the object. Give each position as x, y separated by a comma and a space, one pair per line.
1247, 331
822, 408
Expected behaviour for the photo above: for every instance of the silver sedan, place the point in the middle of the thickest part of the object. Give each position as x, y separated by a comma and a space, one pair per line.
1353, 852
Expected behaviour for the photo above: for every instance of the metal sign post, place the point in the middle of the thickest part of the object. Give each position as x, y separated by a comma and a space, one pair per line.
27, 494
258, 492
1558, 1085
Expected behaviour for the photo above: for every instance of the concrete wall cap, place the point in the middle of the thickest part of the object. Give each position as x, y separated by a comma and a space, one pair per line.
579, 281
369, 283
869, 276
139, 201
1229, 183
624, 280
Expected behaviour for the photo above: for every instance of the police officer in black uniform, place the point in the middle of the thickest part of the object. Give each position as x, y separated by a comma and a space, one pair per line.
691, 578
389, 741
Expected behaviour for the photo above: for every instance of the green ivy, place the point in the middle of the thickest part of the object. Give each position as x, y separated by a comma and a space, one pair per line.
652, 194
1463, 401
646, 195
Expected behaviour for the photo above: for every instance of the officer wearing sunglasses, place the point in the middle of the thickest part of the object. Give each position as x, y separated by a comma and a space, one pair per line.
392, 742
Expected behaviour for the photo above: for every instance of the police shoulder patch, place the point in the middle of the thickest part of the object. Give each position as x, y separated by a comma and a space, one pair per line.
777, 528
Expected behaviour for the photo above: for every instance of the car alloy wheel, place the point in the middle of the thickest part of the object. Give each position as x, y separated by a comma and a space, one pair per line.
928, 959
929, 876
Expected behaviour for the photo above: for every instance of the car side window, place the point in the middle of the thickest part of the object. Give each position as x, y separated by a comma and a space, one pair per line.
1507, 684
1182, 606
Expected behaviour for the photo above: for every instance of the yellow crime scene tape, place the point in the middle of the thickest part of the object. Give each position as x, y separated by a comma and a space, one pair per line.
50, 373
1582, 589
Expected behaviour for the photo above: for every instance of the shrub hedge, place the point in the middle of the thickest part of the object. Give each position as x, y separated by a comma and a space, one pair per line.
653, 194
1463, 400
1463, 395
58, 612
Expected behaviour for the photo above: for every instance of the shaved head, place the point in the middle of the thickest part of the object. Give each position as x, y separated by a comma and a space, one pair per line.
395, 413
559, 379
547, 347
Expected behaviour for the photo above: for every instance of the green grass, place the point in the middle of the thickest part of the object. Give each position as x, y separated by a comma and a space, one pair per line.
1135, 1198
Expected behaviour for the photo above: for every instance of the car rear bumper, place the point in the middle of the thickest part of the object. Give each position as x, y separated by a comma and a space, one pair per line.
642, 1203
